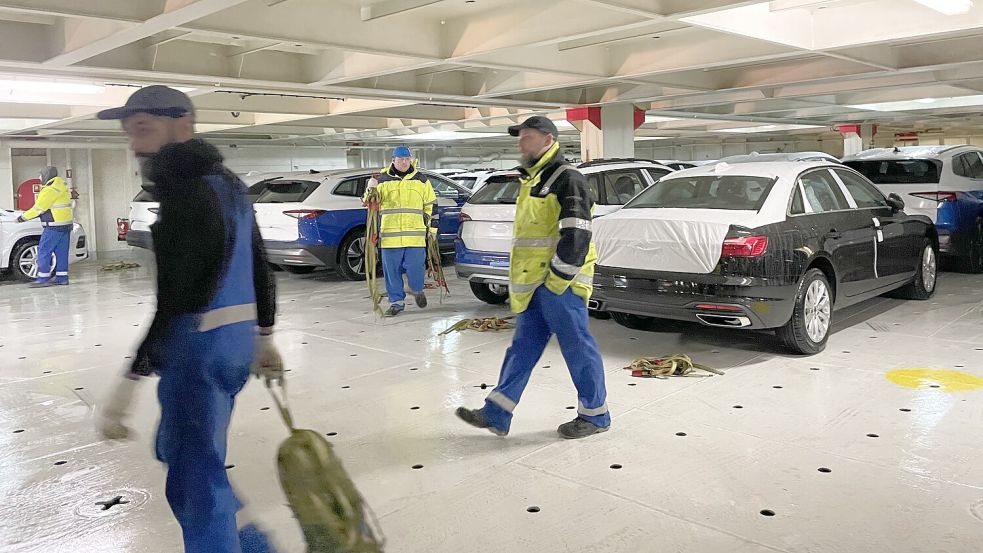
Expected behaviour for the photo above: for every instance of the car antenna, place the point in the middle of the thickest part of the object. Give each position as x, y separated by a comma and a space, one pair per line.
897, 150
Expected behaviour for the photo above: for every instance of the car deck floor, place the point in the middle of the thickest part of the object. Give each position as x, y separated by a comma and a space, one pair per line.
830, 453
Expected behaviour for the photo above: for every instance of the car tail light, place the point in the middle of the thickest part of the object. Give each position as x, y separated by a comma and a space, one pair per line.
936, 196
305, 213
745, 246
463, 217
717, 307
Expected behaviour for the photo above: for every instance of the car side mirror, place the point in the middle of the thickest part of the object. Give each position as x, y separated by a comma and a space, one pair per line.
896, 203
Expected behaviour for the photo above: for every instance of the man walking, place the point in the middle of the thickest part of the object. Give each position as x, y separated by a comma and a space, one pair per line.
550, 280
216, 304
54, 208
407, 205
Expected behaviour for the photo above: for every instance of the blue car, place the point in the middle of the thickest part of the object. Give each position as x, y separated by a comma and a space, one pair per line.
944, 183
314, 219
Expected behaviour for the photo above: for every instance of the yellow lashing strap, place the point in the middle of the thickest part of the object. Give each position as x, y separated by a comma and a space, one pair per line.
120, 266
481, 325
664, 367
372, 249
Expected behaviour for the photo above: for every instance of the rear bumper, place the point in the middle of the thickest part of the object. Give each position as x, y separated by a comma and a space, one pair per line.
140, 239
956, 225
712, 300
298, 254
478, 266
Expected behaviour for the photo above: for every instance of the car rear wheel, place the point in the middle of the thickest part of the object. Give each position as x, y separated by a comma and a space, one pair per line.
298, 269
634, 322
973, 261
24, 261
808, 329
926, 273
495, 294
351, 256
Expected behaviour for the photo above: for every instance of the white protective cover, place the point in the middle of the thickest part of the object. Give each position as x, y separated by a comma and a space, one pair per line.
688, 240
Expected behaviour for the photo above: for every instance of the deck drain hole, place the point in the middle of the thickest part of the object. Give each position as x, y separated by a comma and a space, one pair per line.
777, 387
633, 338
79, 389
303, 343
934, 386
533, 509
768, 513
547, 366
22, 358
633, 384
264, 408
904, 410
46, 372
109, 504
414, 408
18, 431
345, 387
477, 352
571, 407
229, 467
825, 470
353, 355
98, 345
415, 369
332, 434
680, 433
813, 368
60, 463
873, 436
616, 466
738, 407
417, 467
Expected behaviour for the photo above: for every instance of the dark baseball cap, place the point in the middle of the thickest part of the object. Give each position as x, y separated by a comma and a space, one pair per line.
155, 100
538, 122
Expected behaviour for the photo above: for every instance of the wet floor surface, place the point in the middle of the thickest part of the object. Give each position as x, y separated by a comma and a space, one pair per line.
838, 452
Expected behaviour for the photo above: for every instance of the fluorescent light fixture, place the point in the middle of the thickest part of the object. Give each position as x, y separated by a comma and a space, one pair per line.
450, 135
15, 86
215, 127
948, 7
9, 124
924, 103
659, 119
647, 138
767, 128
564, 125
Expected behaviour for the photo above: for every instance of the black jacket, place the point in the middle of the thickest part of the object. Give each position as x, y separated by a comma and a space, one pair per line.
191, 242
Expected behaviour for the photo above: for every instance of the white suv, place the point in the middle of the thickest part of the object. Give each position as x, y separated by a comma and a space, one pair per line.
19, 245
485, 236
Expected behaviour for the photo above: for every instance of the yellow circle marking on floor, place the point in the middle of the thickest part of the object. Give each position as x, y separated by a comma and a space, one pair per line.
946, 380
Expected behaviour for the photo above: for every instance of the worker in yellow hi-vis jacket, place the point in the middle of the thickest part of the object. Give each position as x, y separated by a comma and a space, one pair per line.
54, 208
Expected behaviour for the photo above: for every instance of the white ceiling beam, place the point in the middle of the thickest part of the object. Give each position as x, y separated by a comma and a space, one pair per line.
392, 7
103, 37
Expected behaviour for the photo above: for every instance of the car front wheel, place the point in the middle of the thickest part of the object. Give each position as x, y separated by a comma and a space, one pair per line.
25, 261
808, 329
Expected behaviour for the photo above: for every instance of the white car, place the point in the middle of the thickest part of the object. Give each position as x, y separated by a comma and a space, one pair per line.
473, 180
943, 183
485, 237
19, 245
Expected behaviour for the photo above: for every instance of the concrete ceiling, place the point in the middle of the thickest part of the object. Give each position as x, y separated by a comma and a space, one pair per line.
342, 71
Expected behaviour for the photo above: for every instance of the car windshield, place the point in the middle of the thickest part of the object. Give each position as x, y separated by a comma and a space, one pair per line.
281, 191
467, 182
899, 171
732, 192
502, 189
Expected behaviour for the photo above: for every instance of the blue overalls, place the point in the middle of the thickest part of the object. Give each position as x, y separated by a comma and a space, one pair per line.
206, 363
55, 240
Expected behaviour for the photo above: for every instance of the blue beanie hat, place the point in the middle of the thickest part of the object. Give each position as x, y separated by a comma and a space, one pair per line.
402, 151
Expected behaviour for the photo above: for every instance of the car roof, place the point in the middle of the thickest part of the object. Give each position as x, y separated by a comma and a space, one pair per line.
910, 152
622, 165
780, 156
770, 169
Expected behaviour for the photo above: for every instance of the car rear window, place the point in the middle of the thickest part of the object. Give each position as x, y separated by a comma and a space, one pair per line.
281, 191
501, 189
900, 171
467, 182
731, 192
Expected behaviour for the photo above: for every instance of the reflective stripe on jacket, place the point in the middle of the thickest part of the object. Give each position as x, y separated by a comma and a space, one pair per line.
407, 206
551, 243
54, 204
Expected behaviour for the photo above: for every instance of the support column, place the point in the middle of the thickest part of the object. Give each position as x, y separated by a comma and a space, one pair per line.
606, 131
856, 138
7, 183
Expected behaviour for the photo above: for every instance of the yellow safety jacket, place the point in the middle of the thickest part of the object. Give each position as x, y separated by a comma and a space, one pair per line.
54, 204
551, 242
407, 209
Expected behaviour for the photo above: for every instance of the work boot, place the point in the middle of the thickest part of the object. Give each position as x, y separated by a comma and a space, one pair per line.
579, 428
39, 283
61, 281
421, 300
476, 418
395, 309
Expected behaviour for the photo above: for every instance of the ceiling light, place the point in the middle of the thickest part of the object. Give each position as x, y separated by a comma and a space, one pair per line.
646, 138
767, 128
9, 86
450, 135
923, 103
659, 119
948, 7
563, 125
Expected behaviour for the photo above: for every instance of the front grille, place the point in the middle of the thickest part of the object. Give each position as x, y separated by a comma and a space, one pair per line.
81, 242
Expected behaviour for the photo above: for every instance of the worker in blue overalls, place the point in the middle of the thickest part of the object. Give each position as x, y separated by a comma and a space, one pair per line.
54, 207
551, 272
216, 303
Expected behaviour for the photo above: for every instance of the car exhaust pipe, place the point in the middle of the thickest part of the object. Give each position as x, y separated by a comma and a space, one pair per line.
593, 305
729, 321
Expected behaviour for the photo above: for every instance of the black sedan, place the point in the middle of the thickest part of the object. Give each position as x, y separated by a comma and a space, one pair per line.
774, 245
